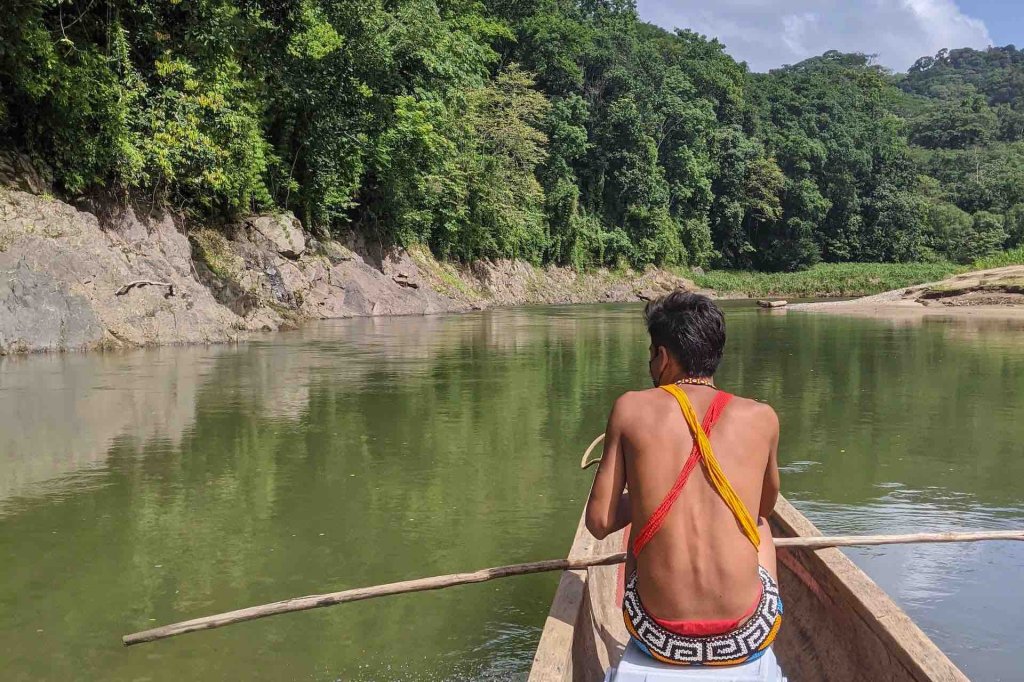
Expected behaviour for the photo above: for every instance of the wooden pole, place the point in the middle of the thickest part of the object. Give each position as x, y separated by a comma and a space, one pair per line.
864, 540
583, 462
439, 582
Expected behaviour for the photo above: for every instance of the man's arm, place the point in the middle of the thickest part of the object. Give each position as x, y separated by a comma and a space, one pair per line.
608, 508
770, 487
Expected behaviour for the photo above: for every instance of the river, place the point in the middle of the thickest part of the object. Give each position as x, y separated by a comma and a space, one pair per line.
148, 487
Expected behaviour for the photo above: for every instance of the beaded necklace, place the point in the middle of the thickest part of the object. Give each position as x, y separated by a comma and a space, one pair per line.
696, 381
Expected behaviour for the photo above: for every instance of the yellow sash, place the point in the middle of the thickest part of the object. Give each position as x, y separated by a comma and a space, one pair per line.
714, 471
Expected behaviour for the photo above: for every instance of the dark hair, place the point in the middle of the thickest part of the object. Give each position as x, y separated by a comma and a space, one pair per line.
691, 327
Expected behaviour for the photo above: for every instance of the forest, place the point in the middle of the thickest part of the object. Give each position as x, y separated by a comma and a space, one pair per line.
554, 131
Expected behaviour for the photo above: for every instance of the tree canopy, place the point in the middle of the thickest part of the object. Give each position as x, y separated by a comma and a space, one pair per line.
564, 131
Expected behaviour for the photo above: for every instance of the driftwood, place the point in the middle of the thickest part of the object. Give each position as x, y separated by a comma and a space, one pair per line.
773, 304
402, 280
145, 283
486, 574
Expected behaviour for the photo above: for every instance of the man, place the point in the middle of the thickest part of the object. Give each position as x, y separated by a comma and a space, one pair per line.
701, 584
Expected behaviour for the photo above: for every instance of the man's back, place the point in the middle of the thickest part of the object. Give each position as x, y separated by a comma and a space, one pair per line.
703, 566
699, 565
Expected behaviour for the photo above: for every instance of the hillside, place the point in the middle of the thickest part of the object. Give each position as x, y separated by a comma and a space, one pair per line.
554, 132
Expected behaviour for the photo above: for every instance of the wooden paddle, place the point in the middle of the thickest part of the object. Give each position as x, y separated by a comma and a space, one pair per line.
438, 582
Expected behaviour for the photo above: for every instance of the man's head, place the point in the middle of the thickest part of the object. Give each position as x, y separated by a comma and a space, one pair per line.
687, 336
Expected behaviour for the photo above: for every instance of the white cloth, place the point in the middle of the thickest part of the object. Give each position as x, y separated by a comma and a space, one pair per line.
636, 666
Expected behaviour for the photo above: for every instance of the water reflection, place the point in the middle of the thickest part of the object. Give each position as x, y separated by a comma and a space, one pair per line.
190, 480
62, 413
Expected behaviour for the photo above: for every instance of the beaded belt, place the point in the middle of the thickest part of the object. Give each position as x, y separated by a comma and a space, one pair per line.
746, 643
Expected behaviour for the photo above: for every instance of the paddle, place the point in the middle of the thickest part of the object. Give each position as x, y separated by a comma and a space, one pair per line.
483, 575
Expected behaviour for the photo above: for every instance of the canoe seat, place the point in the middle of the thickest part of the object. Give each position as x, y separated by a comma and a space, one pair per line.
636, 666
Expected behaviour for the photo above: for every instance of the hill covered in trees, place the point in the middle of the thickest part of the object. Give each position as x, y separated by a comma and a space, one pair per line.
548, 130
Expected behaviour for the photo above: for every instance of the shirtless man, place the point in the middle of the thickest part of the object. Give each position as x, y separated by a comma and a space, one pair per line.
704, 562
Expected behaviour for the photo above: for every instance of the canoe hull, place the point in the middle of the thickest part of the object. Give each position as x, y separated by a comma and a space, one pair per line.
839, 625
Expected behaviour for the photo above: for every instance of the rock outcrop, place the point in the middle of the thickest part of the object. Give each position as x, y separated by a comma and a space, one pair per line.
61, 271
984, 294
282, 232
71, 281
21, 172
1000, 286
38, 312
269, 286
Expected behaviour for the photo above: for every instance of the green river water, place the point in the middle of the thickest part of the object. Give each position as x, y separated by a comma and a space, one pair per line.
148, 487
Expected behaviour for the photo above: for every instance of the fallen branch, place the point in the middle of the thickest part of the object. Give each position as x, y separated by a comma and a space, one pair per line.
439, 582
145, 283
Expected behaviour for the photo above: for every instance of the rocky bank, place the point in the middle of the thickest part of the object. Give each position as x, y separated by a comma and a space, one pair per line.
86, 277
995, 293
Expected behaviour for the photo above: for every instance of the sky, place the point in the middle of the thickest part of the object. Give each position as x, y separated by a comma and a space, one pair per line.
769, 33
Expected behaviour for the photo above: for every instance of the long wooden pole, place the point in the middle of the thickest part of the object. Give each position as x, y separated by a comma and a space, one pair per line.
438, 582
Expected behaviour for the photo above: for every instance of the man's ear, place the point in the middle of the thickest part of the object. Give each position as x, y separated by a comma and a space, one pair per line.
659, 364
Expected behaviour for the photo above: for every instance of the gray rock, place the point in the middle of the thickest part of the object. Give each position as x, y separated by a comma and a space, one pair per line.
283, 232
647, 294
37, 312
277, 288
335, 252
63, 272
402, 279
62, 269
18, 171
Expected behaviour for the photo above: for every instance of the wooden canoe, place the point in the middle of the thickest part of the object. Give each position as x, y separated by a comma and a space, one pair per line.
839, 625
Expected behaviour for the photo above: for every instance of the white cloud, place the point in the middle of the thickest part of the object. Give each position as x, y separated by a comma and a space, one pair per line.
795, 29
770, 33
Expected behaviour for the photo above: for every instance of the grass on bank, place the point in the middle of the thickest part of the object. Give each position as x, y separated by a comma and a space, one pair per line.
1000, 260
824, 280
842, 279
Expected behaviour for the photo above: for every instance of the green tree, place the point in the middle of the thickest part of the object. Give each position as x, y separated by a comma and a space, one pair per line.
828, 122
573, 239
945, 227
149, 96
506, 216
1014, 225
551, 130
956, 125
748, 190
984, 237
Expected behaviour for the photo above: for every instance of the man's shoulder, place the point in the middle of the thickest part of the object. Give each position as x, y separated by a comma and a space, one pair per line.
633, 400
755, 409
639, 407
640, 411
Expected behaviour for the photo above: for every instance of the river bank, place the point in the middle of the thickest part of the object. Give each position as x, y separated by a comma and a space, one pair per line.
825, 280
996, 293
101, 276
107, 277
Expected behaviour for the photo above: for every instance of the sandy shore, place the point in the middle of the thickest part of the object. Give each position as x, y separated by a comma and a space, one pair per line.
988, 295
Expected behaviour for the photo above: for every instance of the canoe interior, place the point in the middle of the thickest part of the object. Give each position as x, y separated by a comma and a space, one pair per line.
838, 624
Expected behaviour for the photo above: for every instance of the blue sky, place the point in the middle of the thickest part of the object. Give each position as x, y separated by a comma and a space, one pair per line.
770, 33
1004, 18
